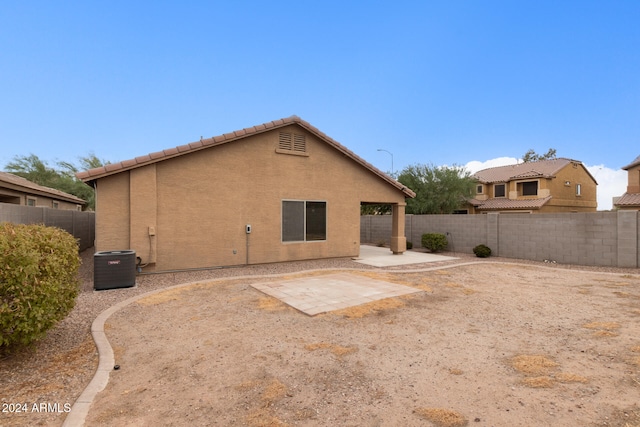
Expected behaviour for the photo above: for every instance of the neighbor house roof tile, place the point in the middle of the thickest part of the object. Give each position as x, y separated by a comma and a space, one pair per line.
24, 185
539, 169
93, 174
628, 199
632, 164
506, 204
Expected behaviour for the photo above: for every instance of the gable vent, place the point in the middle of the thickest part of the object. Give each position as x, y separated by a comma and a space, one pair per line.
292, 142
299, 143
285, 141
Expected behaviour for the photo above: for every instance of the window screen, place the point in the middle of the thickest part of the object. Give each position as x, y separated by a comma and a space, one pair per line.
304, 221
530, 188
292, 221
499, 190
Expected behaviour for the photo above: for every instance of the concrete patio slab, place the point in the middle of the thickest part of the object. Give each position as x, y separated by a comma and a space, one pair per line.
321, 294
383, 257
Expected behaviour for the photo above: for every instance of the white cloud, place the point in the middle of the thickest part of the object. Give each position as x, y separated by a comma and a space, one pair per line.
611, 182
475, 166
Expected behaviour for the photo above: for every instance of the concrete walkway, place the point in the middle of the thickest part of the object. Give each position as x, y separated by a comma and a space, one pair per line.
383, 257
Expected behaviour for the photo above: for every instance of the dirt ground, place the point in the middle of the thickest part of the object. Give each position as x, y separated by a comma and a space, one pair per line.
486, 345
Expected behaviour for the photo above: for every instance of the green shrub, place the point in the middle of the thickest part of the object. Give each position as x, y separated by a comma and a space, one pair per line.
482, 251
409, 245
435, 242
38, 280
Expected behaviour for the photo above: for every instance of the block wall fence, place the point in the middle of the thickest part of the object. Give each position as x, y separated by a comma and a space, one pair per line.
82, 225
594, 238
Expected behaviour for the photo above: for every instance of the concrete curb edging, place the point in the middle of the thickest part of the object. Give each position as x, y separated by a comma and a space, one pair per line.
106, 359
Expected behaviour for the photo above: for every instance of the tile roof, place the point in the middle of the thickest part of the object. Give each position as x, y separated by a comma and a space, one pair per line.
110, 169
632, 164
22, 183
539, 169
628, 199
511, 204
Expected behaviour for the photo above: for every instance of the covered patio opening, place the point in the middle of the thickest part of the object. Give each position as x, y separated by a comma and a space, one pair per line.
397, 240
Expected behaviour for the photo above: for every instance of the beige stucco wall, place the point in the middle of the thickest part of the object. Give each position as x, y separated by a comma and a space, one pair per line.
199, 203
564, 196
633, 179
15, 196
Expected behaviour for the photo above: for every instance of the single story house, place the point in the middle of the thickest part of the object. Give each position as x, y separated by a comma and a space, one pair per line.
630, 200
544, 186
279, 191
20, 191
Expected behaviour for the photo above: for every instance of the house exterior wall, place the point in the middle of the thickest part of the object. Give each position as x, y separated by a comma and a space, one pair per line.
633, 178
17, 197
191, 211
565, 197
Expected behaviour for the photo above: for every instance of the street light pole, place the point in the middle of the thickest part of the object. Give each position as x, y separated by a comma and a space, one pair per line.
391, 154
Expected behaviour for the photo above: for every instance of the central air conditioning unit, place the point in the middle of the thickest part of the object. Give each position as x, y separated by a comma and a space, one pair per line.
114, 269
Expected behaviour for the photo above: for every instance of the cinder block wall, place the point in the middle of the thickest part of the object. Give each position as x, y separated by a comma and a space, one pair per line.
592, 238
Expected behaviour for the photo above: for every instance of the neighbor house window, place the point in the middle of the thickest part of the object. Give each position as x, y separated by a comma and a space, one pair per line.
304, 221
499, 190
31, 201
530, 188
578, 190
55, 205
479, 189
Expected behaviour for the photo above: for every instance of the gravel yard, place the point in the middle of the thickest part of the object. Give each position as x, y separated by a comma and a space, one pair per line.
592, 353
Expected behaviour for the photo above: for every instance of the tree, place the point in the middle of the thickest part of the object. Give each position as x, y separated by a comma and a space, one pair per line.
62, 178
532, 156
439, 189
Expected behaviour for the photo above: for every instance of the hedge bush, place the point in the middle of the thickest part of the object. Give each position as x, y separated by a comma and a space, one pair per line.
38, 280
482, 251
435, 242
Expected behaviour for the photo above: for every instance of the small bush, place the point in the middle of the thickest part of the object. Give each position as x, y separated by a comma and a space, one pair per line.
482, 251
38, 280
381, 243
435, 242
409, 245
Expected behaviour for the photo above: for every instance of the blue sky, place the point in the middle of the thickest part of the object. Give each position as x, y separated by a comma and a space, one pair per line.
474, 83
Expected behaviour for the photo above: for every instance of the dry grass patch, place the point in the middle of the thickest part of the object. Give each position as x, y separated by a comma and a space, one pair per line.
263, 417
567, 377
335, 349
532, 364
162, 297
271, 304
374, 307
635, 349
442, 417
455, 371
607, 326
274, 391
538, 382
603, 329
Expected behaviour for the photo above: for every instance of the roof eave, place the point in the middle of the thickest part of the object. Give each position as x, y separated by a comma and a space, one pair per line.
92, 175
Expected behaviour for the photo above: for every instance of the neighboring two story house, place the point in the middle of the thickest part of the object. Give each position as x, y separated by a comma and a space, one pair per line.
631, 199
545, 186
